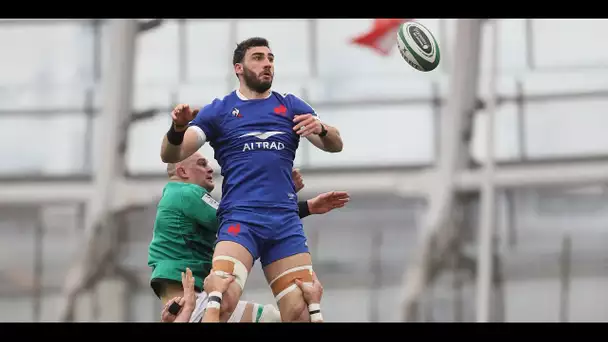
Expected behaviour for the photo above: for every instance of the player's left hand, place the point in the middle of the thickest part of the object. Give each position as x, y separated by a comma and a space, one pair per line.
328, 201
165, 315
297, 179
189, 292
312, 293
307, 124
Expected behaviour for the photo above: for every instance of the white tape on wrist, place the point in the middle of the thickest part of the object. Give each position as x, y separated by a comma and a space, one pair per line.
314, 310
214, 301
314, 307
216, 294
213, 305
316, 317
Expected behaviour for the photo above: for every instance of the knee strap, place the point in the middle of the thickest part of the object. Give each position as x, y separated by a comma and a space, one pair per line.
225, 265
284, 282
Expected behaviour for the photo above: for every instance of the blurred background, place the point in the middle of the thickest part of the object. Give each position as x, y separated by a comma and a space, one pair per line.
429, 235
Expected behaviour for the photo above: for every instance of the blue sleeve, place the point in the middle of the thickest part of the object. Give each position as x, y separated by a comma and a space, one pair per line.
208, 119
299, 106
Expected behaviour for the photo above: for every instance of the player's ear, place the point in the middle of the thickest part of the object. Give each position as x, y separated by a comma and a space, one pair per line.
181, 172
238, 68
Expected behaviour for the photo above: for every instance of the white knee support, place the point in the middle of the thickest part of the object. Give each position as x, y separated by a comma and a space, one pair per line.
225, 265
284, 282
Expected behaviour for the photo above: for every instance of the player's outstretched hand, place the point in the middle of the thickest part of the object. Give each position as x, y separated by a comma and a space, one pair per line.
297, 179
168, 317
217, 282
307, 124
328, 201
182, 115
189, 293
312, 293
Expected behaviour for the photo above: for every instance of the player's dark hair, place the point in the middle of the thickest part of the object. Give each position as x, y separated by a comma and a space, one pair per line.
242, 47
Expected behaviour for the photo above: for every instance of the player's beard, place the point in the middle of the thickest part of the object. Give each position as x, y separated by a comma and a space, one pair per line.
253, 82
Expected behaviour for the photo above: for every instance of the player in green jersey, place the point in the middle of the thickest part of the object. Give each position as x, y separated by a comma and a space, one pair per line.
185, 232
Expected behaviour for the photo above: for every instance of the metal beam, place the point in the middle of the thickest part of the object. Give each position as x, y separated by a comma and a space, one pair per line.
405, 183
487, 212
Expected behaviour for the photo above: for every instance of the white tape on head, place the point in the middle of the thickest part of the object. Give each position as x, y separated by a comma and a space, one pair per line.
239, 270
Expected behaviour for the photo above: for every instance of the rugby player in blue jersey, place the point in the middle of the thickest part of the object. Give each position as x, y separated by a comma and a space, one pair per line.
255, 133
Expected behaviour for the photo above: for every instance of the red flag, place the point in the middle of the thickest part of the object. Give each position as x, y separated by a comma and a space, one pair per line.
382, 36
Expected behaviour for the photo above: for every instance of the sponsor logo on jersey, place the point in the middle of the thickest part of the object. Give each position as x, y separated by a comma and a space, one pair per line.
280, 110
263, 145
211, 201
236, 113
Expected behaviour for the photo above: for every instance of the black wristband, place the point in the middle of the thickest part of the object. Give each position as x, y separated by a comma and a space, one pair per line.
323, 131
174, 137
303, 210
174, 308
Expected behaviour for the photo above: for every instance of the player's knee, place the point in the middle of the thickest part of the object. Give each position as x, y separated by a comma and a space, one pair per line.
284, 283
293, 307
223, 265
230, 299
296, 311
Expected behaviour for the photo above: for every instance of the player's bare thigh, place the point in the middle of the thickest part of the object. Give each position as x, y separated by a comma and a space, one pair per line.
170, 291
280, 275
233, 250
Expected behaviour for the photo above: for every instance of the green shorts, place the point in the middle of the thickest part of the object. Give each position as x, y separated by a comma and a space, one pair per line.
164, 272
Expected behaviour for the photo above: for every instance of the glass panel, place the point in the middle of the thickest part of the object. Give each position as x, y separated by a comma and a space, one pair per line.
554, 129
511, 49
506, 126
157, 55
552, 38
565, 82
209, 57
43, 98
399, 135
63, 232
292, 59
16, 309
63, 135
46, 54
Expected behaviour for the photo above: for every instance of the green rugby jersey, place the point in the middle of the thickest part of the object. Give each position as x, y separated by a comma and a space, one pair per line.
184, 235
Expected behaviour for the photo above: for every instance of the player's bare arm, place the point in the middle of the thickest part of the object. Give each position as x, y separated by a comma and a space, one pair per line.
322, 135
215, 285
297, 179
312, 293
181, 141
327, 202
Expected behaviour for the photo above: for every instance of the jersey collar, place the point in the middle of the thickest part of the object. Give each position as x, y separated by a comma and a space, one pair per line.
243, 98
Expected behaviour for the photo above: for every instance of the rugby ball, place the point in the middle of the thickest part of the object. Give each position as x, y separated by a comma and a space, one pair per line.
418, 46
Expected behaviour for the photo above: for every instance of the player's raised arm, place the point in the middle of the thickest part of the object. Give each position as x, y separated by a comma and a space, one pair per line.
308, 125
322, 135
181, 141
